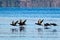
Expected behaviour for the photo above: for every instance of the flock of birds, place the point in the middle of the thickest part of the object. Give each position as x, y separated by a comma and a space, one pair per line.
21, 23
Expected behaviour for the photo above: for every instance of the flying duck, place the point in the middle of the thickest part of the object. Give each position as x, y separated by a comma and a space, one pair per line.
39, 22
22, 22
14, 23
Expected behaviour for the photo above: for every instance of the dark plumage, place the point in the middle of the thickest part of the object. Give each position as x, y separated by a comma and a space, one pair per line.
14, 23
39, 22
46, 24
53, 24
22, 23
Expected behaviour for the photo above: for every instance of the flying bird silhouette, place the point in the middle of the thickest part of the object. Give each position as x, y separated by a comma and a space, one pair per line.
14, 23
39, 22
22, 22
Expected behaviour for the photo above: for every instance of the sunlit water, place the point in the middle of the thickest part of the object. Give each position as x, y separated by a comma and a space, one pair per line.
30, 32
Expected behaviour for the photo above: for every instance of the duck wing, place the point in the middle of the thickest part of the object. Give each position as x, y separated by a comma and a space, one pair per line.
24, 21
41, 21
16, 22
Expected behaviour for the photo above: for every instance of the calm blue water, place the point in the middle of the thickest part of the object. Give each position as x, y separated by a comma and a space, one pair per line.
30, 12
50, 15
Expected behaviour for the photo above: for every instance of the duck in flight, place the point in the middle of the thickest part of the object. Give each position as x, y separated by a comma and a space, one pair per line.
22, 22
53, 24
39, 22
14, 23
46, 25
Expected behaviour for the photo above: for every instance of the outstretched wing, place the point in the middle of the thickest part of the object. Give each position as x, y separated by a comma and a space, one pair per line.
16, 22
41, 21
24, 21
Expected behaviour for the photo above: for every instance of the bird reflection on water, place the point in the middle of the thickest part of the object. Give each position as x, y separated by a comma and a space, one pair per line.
22, 27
